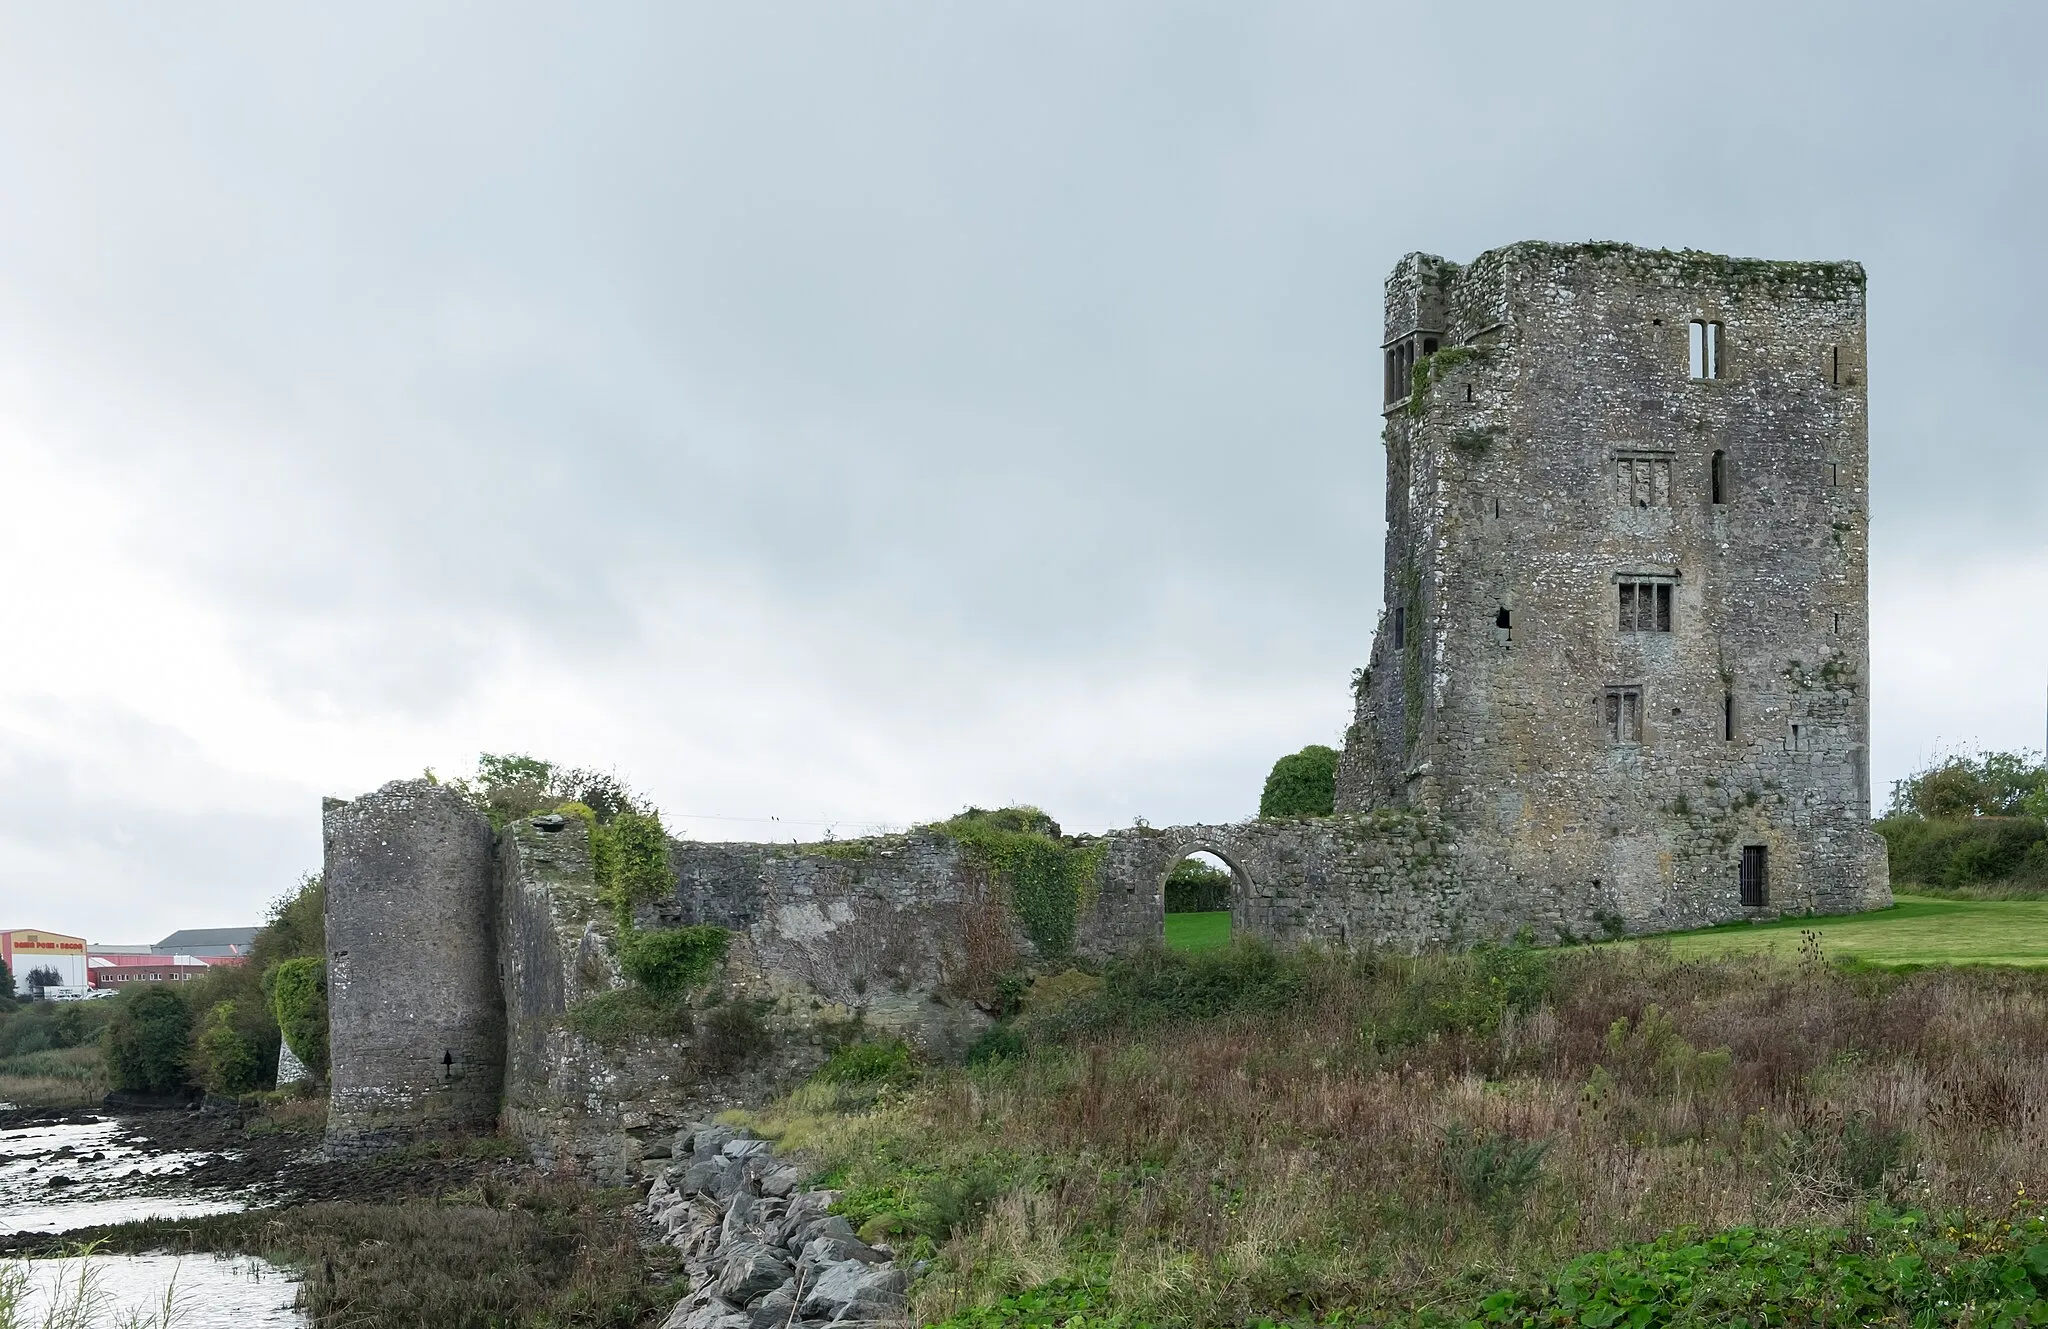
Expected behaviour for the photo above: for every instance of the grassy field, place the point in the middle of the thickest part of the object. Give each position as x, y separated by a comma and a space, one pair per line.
1198, 932
1917, 930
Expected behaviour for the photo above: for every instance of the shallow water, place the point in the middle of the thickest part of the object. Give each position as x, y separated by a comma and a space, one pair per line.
205, 1291
54, 1178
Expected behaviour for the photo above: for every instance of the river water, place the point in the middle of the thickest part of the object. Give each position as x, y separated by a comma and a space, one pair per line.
79, 1170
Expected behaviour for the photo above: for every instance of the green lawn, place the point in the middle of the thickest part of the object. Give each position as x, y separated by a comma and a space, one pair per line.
1198, 932
1918, 929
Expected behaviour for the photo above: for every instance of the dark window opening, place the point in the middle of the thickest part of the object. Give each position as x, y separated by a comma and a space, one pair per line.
1756, 876
1496, 509
1400, 626
1624, 715
1645, 606
1468, 392
1718, 470
1728, 717
1705, 349
1834, 366
1838, 625
1429, 346
1834, 475
1500, 620
1795, 738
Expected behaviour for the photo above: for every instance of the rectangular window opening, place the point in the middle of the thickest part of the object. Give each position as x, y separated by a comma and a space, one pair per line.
1756, 876
1624, 715
1728, 717
1834, 474
1795, 739
1644, 606
1718, 476
1400, 626
1838, 625
1834, 366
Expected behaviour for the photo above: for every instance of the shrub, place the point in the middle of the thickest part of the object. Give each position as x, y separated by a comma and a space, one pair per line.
223, 1060
998, 1043
147, 1041
668, 962
6, 986
882, 1061
1966, 852
1302, 784
298, 1000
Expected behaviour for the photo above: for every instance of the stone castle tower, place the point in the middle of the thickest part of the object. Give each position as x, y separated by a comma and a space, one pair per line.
1625, 646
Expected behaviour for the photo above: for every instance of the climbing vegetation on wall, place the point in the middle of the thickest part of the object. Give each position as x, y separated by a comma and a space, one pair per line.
1302, 784
1047, 876
298, 998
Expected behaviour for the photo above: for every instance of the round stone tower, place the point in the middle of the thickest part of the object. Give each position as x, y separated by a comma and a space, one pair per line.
416, 1018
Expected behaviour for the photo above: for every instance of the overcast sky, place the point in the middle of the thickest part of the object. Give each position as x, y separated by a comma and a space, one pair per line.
844, 413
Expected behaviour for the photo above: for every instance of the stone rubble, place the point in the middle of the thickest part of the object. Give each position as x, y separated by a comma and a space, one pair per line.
760, 1253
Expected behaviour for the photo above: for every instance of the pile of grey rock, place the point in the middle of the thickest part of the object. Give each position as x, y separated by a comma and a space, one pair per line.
761, 1253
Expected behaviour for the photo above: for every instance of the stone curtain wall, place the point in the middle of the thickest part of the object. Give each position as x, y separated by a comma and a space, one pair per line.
1388, 880
415, 1018
906, 929
1557, 367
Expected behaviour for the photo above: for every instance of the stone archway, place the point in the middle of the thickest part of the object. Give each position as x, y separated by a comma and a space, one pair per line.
1198, 919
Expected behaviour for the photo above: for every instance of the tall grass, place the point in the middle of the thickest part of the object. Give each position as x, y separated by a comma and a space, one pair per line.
53, 1077
1387, 1134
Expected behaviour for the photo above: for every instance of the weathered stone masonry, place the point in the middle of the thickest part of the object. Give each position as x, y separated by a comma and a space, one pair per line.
1577, 431
1624, 655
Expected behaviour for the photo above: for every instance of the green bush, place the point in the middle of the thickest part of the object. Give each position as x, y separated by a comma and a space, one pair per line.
1959, 852
629, 861
297, 926
147, 1041
882, 1061
998, 1043
669, 962
1302, 784
39, 1026
298, 1001
224, 1061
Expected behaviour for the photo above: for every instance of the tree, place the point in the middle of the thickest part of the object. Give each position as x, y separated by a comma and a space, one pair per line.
1303, 784
42, 976
225, 1058
147, 1041
6, 986
1992, 784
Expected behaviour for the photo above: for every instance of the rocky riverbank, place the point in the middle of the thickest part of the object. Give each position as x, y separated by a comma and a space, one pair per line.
761, 1252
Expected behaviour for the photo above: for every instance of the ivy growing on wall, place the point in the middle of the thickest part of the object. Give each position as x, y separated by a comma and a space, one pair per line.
1047, 876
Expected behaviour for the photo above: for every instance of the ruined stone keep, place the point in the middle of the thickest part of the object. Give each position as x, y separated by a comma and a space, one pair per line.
1625, 642
1619, 685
